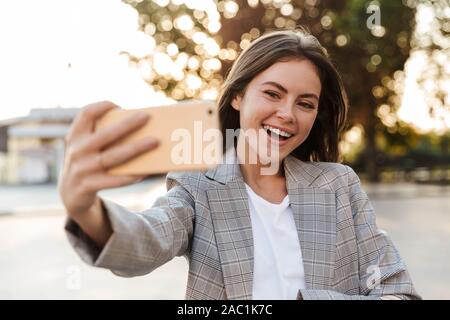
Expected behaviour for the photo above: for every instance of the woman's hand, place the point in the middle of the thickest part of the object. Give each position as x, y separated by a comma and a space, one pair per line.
89, 155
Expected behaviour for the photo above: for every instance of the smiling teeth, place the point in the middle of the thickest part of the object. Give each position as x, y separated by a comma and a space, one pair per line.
277, 131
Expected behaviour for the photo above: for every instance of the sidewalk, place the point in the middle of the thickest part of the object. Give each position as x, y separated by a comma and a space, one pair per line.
44, 199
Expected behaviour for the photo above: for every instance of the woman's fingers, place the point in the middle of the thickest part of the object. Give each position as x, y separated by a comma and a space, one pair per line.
97, 182
84, 123
115, 156
105, 136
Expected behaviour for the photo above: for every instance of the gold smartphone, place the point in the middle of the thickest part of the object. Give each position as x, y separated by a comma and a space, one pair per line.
188, 134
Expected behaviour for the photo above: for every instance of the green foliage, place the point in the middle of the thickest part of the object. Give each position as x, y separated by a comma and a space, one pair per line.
370, 58
160, 22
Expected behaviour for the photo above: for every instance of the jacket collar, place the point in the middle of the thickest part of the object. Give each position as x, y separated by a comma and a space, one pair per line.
297, 172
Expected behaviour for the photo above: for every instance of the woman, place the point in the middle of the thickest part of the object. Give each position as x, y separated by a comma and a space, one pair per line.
305, 231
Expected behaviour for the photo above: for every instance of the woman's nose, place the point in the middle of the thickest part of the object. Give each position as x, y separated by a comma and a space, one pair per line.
285, 113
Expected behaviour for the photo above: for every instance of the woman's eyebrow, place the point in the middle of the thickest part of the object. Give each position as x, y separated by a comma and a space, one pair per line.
281, 88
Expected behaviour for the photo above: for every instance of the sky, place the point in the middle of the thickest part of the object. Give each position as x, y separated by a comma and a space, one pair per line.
40, 38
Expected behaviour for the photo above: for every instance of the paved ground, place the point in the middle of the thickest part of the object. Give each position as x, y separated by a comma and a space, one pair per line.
37, 262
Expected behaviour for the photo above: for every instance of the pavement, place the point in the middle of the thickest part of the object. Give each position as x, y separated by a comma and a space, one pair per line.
36, 261
44, 198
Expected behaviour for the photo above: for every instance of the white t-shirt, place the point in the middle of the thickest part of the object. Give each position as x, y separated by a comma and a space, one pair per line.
278, 264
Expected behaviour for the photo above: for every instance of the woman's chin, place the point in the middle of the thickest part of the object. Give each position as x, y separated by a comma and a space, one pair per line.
268, 153
271, 156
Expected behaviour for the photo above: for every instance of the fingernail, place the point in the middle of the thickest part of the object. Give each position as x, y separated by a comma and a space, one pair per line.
142, 116
151, 142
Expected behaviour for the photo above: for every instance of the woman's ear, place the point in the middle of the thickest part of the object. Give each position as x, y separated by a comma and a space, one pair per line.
236, 102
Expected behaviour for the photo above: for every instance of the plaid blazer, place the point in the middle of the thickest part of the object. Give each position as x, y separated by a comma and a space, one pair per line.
205, 217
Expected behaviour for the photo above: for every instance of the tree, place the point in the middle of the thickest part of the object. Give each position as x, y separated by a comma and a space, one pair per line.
185, 62
431, 39
368, 41
367, 55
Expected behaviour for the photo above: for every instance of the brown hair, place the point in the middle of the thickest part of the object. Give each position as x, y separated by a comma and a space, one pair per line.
322, 142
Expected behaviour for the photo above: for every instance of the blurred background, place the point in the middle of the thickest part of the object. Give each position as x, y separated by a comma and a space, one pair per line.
59, 55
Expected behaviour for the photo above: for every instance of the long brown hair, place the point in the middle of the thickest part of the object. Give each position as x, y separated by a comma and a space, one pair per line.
322, 142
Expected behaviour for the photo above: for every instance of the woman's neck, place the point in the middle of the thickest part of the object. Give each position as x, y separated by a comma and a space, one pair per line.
252, 175
270, 187
253, 171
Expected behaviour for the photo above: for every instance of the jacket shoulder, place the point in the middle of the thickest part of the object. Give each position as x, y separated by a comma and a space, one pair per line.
334, 174
192, 181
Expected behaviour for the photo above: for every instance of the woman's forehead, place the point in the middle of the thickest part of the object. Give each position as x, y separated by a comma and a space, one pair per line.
293, 75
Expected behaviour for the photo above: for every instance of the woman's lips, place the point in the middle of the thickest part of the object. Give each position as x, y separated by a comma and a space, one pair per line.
275, 140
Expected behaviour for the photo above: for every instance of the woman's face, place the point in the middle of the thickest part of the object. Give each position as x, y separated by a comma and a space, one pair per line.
283, 97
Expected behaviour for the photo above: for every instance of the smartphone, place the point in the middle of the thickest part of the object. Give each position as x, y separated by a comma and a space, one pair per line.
188, 133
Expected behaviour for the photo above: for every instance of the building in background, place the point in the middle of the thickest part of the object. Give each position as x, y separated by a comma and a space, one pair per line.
32, 147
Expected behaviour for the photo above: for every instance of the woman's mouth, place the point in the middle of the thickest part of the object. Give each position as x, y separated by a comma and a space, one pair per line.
276, 135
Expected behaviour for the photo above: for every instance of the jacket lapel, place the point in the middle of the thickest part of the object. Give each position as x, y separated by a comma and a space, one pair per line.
234, 237
314, 211
314, 216
232, 226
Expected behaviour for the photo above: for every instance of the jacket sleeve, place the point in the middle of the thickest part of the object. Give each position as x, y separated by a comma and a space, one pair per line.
382, 273
141, 241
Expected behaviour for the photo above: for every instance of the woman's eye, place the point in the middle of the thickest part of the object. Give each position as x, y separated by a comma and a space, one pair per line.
275, 95
272, 94
306, 105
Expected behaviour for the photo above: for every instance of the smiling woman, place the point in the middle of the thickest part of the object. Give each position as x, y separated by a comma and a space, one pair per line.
295, 79
305, 231
285, 107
